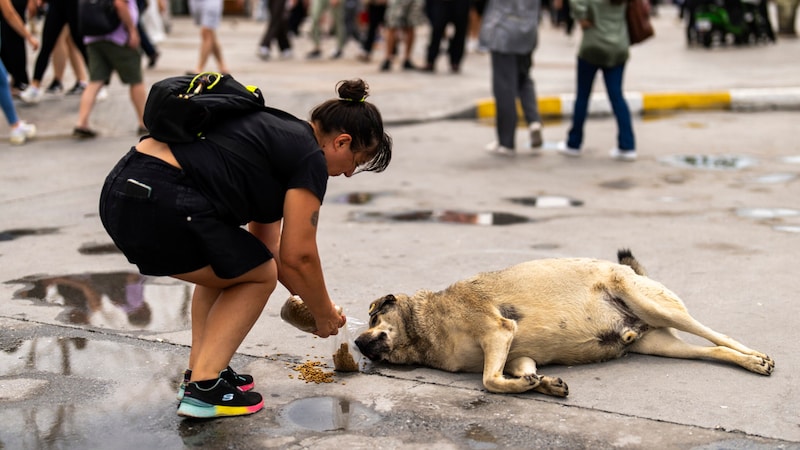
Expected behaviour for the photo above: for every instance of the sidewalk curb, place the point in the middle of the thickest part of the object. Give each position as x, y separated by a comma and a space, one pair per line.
643, 103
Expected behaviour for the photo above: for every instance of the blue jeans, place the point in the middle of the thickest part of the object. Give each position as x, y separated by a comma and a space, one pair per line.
613, 80
6, 102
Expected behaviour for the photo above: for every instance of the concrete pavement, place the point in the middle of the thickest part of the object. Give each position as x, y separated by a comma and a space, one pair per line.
710, 208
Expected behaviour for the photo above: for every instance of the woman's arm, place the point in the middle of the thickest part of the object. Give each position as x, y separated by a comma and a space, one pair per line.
13, 19
301, 268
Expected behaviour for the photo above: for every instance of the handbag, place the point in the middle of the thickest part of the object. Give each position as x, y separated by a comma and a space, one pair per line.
637, 15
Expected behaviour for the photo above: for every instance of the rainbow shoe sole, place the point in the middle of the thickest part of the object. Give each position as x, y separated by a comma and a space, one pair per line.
219, 400
240, 381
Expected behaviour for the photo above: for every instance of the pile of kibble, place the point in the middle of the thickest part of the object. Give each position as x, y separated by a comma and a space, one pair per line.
312, 372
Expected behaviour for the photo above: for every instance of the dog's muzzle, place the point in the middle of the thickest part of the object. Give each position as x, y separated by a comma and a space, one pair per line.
373, 347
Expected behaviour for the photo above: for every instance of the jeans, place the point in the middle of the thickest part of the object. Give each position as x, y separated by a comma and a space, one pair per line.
511, 80
613, 80
6, 102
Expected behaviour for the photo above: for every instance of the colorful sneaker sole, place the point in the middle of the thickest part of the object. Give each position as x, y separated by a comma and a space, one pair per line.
191, 407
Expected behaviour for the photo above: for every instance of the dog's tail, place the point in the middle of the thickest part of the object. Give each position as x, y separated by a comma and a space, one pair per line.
625, 257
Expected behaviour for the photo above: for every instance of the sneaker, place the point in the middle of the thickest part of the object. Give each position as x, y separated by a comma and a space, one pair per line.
83, 133
496, 149
102, 94
55, 87
22, 132
152, 60
263, 53
536, 134
217, 398
287, 53
32, 95
407, 65
314, 54
240, 381
623, 155
337, 54
386, 66
568, 151
77, 89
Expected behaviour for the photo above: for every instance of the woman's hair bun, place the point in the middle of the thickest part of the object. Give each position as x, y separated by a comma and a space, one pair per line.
353, 90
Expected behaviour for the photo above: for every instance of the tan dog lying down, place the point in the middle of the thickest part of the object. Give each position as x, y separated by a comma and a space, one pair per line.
550, 311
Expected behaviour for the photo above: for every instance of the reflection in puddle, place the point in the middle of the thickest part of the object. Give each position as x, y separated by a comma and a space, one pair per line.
117, 300
480, 437
711, 162
9, 235
329, 414
767, 213
787, 228
547, 201
443, 216
358, 198
774, 178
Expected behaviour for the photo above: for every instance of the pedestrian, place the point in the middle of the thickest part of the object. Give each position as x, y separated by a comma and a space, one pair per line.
118, 52
208, 15
66, 51
402, 18
509, 30
60, 13
148, 47
604, 47
441, 14
176, 210
12, 52
376, 11
21, 131
277, 30
318, 9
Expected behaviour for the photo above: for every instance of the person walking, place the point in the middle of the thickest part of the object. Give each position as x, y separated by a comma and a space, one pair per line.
12, 52
60, 13
442, 13
277, 30
208, 15
604, 47
318, 9
21, 131
176, 210
402, 19
509, 30
118, 52
376, 11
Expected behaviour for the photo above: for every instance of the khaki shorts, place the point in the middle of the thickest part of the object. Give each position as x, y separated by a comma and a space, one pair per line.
106, 57
405, 13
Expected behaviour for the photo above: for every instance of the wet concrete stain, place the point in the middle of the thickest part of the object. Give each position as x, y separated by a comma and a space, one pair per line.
547, 201
481, 438
710, 162
329, 414
10, 235
442, 216
98, 249
115, 300
767, 213
775, 178
621, 185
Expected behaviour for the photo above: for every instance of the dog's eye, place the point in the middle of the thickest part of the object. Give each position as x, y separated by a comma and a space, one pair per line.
373, 321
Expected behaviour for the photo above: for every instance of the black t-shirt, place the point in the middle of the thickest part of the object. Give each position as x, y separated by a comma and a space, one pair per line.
246, 165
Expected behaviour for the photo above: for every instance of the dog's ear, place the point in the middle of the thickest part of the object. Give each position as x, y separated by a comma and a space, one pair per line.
378, 304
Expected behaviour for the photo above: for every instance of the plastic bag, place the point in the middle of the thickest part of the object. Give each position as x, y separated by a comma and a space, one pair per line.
346, 356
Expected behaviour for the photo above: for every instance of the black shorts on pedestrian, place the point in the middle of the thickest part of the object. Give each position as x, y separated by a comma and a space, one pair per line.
165, 226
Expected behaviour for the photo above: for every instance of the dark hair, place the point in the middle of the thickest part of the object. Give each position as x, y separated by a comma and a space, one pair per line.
352, 114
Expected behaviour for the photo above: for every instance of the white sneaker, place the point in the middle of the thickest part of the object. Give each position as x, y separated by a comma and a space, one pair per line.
287, 54
22, 132
562, 148
496, 149
263, 53
102, 94
620, 155
536, 134
31, 95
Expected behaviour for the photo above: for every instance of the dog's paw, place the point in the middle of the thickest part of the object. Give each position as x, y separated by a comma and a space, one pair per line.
628, 336
760, 364
768, 364
553, 386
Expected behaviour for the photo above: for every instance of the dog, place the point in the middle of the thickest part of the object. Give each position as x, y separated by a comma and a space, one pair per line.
549, 311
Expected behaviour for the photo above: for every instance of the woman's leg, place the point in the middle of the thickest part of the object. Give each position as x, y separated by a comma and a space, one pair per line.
223, 313
613, 79
504, 88
6, 102
527, 89
583, 90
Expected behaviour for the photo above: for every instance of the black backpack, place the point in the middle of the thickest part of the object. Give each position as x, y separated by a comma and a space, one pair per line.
180, 109
97, 17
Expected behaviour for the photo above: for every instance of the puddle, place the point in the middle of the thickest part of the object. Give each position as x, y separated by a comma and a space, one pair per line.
443, 216
358, 198
10, 235
787, 228
480, 437
791, 159
767, 213
116, 300
98, 249
330, 414
547, 201
710, 162
775, 178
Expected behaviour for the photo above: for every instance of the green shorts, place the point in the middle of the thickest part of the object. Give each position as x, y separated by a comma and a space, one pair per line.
106, 57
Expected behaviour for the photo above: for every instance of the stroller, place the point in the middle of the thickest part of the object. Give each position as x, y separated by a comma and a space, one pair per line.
740, 22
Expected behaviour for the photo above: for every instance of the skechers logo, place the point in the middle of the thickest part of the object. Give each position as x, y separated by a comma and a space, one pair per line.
227, 397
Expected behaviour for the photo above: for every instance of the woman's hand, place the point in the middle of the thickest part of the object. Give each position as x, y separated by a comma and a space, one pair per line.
329, 323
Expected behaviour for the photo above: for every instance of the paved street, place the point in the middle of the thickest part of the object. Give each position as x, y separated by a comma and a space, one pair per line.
710, 209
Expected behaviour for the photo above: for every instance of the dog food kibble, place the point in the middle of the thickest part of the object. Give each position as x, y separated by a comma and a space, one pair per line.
343, 360
311, 372
297, 314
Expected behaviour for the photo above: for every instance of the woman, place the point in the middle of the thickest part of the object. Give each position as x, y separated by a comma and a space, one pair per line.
176, 210
604, 47
20, 130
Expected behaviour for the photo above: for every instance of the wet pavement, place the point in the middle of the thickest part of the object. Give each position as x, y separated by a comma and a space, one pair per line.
92, 352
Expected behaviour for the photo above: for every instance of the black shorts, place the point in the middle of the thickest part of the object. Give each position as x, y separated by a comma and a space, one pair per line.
165, 226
